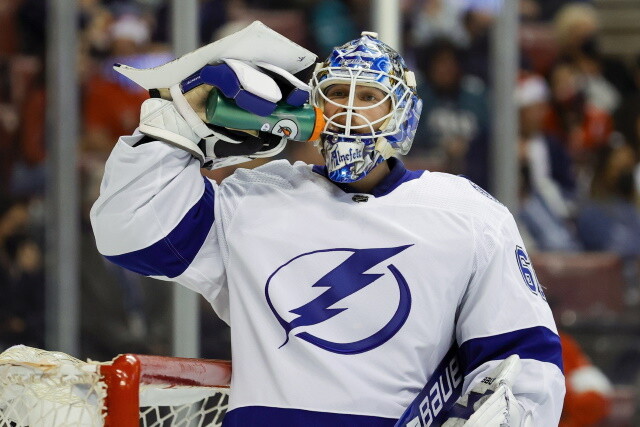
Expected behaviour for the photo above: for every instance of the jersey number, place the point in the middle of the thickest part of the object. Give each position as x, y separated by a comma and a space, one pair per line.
529, 276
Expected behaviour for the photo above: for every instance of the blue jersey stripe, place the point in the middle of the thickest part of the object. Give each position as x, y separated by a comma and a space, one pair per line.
171, 255
538, 343
266, 416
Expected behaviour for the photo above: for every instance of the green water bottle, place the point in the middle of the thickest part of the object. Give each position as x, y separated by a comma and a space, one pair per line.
298, 123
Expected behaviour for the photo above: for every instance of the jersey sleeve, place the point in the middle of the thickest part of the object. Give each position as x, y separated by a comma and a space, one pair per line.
504, 312
156, 215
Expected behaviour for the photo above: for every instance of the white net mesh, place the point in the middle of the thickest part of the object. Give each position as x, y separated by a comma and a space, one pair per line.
43, 388
184, 407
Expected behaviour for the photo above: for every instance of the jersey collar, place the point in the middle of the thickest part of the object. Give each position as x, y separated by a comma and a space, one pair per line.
399, 174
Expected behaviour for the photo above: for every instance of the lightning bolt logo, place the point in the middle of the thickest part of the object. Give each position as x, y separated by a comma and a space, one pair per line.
346, 279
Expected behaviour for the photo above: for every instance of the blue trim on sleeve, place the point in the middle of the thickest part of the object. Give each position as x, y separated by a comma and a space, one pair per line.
266, 417
171, 255
538, 343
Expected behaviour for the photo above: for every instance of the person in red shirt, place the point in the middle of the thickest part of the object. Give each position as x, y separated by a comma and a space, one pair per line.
571, 118
112, 103
587, 400
110, 109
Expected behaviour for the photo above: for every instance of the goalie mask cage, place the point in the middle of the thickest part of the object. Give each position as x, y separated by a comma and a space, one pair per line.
45, 389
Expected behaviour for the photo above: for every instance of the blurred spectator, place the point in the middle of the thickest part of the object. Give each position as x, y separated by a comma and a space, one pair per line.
291, 19
577, 26
95, 19
551, 166
627, 117
547, 183
478, 20
435, 19
572, 119
22, 320
600, 92
9, 42
610, 220
8, 124
465, 23
588, 398
529, 10
112, 102
331, 23
454, 126
549, 8
574, 24
21, 278
14, 217
212, 15
21, 113
28, 175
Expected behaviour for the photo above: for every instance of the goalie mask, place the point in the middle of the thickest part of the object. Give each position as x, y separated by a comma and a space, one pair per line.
353, 142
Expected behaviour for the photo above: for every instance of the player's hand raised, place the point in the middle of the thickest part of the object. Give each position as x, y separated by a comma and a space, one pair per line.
177, 115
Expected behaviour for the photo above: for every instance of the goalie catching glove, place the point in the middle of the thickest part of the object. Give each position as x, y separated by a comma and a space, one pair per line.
178, 115
491, 403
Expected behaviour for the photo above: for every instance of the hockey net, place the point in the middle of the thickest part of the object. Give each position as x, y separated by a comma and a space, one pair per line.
46, 388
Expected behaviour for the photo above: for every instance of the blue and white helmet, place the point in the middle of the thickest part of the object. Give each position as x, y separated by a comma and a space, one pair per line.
352, 151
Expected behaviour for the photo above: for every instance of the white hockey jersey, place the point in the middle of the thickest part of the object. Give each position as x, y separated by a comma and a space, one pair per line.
341, 305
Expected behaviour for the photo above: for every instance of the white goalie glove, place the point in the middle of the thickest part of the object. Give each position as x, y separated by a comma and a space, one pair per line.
242, 67
491, 403
179, 116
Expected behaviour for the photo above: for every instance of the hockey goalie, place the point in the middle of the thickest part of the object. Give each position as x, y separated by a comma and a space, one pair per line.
359, 293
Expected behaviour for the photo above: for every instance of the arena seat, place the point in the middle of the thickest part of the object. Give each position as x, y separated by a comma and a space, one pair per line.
582, 286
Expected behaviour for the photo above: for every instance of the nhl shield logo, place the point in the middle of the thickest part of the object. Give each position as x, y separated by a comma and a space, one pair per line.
346, 301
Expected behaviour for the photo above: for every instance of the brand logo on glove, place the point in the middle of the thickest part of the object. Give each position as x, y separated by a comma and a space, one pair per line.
488, 380
355, 306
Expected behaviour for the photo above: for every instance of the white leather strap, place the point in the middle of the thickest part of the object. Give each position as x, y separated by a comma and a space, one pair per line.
183, 107
284, 73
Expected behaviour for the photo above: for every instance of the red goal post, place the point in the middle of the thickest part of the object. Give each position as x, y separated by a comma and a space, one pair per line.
44, 388
128, 374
